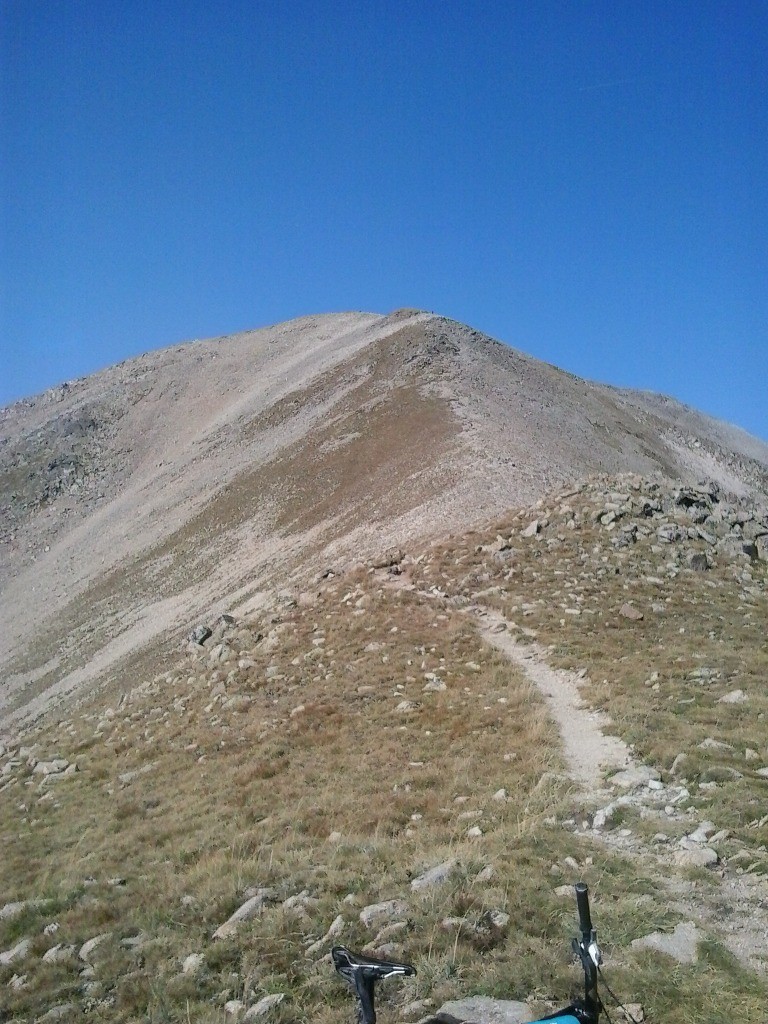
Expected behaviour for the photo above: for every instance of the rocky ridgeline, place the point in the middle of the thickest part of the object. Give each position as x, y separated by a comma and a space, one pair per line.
695, 524
63, 464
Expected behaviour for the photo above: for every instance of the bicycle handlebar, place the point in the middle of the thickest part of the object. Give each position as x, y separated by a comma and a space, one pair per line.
582, 902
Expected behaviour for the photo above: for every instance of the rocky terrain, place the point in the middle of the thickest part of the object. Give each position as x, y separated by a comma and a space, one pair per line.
373, 630
575, 689
204, 475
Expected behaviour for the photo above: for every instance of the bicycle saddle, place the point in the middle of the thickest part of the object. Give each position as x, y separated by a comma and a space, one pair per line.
362, 973
350, 965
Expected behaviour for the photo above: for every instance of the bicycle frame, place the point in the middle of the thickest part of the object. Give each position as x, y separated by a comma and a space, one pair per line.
586, 1010
361, 973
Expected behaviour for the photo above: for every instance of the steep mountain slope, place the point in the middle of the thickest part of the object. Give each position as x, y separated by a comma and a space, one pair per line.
201, 475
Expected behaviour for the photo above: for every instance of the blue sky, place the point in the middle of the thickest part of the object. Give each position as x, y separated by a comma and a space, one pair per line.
586, 181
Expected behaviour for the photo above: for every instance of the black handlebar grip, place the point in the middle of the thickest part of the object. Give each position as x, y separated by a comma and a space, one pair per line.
582, 902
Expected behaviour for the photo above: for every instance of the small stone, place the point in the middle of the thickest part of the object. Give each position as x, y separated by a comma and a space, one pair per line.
475, 832
385, 911
434, 686
127, 777
721, 836
234, 1007
58, 1013
668, 533
531, 529
628, 611
702, 833
251, 908
16, 953
712, 744
696, 857
501, 796
415, 1009
11, 910
604, 815
434, 876
300, 901
264, 1005
497, 919
405, 706
59, 954
88, 948
54, 767
733, 697
389, 931
199, 635
192, 963
637, 775
634, 1012
697, 561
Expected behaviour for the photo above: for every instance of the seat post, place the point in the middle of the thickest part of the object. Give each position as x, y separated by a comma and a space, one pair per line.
364, 987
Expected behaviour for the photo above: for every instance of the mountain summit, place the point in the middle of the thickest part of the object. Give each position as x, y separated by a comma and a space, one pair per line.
204, 475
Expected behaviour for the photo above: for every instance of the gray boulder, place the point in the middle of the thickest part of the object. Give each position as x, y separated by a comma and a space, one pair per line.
199, 635
377, 913
681, 944
484, 1010
16, 953
435, 876
251, 908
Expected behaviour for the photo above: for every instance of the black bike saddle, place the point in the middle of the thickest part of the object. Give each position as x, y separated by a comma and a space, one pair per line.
352, 966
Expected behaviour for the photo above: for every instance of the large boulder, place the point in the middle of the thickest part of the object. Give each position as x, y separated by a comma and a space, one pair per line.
484, 1010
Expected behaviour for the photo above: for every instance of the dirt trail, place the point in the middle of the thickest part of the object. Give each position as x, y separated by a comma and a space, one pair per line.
737, 911
589, 752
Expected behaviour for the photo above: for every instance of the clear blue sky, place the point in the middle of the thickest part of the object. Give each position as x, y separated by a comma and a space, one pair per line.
587, 181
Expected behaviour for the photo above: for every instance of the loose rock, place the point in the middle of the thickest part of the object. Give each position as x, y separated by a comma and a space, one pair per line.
681, 944
484, 1010
16, 953
264, 1005
434, 876
386, 911
251, 908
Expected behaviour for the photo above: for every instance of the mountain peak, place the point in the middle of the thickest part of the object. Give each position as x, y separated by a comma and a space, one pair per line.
207, 472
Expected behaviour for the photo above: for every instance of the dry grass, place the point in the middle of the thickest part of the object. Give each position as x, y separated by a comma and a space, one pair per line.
660, 679
246, 794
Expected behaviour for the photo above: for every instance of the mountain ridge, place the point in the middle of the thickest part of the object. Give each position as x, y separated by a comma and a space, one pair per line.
204, 474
